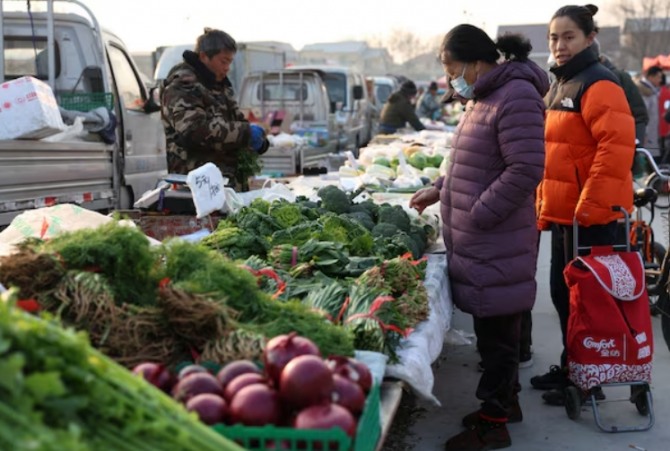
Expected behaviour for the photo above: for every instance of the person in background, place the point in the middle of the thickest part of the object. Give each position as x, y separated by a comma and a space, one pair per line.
398, 110
649, 86
202, 121
664, 120
590, 143
633, 96
487, 200
429, 105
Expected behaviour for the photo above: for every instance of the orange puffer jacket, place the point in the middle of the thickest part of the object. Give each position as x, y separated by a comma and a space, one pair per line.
590, 145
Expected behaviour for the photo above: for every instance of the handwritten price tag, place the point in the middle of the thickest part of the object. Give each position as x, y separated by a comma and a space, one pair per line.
206, 183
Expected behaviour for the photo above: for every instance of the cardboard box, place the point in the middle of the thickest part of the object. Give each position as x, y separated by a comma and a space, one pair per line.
161, 226
28, 110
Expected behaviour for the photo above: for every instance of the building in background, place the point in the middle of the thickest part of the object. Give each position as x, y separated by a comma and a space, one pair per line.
357, 55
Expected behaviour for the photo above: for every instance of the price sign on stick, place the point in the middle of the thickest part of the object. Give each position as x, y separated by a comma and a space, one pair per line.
206, 183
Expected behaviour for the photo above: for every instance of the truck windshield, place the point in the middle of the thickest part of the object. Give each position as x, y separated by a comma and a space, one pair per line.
383, 92
28, 56
336, 85
273, 91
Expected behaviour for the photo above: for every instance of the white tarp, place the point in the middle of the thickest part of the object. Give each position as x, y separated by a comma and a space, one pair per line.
423, 346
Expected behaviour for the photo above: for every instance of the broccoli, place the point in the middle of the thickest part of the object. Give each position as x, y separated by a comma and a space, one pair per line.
362, 218
368, 206
418, 234
385, 230
286, 214
334, 199
395, 215
393, 246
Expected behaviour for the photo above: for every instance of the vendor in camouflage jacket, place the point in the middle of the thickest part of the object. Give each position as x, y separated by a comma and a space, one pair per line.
202, 121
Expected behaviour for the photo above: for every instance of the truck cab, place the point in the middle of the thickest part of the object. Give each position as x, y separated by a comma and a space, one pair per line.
86, 67
350, 101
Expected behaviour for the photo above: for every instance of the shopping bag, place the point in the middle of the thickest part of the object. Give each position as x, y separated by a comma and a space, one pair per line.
609, 337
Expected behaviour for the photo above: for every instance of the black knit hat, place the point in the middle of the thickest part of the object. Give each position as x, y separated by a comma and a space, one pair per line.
408, 88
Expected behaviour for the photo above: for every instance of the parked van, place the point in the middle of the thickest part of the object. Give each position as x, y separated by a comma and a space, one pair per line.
301, 97
89, 68
350, 101
384, 87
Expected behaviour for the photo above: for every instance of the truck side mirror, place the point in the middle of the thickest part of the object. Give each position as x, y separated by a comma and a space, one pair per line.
358, 92
153, 103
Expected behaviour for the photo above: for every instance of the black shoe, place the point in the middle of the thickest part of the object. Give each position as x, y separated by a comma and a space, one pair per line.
556, 378
514, 415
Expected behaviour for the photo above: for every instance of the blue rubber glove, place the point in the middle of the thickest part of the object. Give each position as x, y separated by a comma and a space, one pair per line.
257, 137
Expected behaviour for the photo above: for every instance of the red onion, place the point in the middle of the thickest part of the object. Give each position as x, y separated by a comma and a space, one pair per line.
156, 374
306, 380
195, 384
281, 349
352, 369
326, 416
255, 405
211, 409
240, 382
348, 394
191, 369
234, 369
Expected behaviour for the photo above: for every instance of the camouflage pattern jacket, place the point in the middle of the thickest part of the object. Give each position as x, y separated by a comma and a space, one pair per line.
202, 121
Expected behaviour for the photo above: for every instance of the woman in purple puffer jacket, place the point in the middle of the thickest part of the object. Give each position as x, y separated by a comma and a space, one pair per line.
487, 206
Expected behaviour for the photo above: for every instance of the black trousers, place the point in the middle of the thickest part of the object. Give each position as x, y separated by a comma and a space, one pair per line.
561, 255
498, 343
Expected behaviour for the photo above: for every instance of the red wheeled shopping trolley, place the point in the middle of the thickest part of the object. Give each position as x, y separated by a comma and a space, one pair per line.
609, 337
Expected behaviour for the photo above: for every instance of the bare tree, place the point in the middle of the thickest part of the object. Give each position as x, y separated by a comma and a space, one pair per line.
646, 30
402, 44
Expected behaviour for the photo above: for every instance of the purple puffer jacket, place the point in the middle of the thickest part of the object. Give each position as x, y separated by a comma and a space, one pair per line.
487, 197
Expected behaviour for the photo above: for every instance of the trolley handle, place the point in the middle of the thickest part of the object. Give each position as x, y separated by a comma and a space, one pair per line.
575, 228
652, 163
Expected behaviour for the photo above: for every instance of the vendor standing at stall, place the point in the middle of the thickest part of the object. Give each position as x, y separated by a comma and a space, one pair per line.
202, 120
429, 105
398, 110
487, 207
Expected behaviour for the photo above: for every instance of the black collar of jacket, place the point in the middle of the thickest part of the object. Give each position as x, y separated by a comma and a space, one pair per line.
205, 75
578, 63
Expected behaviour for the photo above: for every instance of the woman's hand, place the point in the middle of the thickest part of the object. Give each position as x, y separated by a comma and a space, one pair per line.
424, 198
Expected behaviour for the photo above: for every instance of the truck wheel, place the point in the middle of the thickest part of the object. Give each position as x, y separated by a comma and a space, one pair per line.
573, 402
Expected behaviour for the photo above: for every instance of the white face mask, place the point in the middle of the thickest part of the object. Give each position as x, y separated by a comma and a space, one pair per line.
465, 90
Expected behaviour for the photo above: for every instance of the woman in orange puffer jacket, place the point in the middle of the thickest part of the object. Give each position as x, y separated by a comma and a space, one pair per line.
590, 145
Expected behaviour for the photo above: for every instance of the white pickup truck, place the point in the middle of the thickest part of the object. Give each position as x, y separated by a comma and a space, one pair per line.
75, 56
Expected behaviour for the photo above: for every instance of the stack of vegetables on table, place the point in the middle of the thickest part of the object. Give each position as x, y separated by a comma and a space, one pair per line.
344, 275
398, 166
166, 303
295, 387
58, 393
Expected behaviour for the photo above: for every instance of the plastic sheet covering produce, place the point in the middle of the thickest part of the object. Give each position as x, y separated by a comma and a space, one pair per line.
48, 222
422, 347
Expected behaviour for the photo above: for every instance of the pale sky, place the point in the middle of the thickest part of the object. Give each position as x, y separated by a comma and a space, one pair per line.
146, 24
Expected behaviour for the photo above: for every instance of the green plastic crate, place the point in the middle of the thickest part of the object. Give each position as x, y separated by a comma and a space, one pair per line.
86, 101
273, 437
